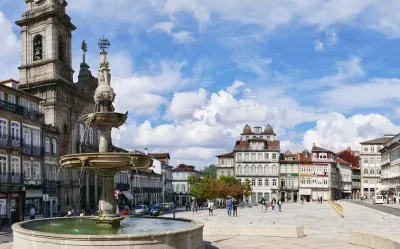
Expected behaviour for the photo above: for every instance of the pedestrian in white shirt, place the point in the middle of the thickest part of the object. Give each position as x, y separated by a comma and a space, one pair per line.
32, 213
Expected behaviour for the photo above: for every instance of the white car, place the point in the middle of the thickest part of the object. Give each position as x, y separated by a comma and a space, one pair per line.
378, 199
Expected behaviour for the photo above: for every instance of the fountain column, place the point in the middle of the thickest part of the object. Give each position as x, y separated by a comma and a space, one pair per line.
107, 205
105, 139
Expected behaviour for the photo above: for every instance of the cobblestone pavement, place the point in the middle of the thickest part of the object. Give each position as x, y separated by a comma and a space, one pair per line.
320, 221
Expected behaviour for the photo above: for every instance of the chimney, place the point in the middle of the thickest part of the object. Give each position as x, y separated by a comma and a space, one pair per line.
145, 151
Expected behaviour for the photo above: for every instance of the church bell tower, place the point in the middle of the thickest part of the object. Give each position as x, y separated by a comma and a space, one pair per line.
46, 33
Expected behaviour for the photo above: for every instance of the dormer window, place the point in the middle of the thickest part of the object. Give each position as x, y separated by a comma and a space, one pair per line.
37, 48
268, 138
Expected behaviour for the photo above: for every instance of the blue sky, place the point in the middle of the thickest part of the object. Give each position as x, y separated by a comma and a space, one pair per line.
192, 73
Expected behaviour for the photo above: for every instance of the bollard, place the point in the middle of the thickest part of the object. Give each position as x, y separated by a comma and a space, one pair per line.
173, 214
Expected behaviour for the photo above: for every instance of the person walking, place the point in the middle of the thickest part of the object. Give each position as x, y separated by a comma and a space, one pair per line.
302, 200
280, 205
235, 206
229, 207
273, 202
262, 202
210, 208
266, 206
32, 213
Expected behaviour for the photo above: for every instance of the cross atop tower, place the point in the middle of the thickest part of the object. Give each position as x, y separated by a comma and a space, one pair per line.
104, 44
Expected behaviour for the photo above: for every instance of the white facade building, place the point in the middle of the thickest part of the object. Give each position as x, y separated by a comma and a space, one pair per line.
345, 177
226, 165
180, 184
370, 162
390, 175
257, 159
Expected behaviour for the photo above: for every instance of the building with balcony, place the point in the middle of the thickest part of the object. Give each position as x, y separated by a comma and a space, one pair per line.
22, 153
390, 165
166, 176
306, 173
345, 178
226, 164
353, 157
289, 176
146, 187
325, 174
180, 183
257, 159
370, 162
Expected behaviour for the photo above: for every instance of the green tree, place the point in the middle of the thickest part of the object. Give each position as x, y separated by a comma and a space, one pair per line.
247, 189
203, 189
210, 170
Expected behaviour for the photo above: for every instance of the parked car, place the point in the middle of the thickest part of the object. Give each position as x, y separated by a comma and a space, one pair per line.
166, 206
378, 199
142, 210
157, 210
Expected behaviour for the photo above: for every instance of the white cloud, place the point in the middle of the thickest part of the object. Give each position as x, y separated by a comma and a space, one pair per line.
234, 88
184, 104
142, 93
351, 67
9, 49
336, 132
179, 37
318, 46
331, 36
254, 64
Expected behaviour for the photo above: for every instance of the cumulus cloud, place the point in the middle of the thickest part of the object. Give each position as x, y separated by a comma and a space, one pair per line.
331, 36
184, 104
336, 132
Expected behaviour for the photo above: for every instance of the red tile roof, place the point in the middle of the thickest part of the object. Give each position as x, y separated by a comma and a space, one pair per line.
243, 144
350, 156
230, 154
341, 161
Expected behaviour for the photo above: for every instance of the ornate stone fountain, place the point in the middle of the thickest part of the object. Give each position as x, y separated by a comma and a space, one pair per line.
106, 164
107, 231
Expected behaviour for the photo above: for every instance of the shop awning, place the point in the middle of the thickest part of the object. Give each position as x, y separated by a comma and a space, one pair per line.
384, 188
306, 191
128, 195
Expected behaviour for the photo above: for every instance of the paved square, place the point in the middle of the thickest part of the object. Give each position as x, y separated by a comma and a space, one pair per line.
323, 227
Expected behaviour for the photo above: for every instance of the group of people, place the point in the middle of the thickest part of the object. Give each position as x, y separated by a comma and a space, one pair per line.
272, 204
232, 204
192, 206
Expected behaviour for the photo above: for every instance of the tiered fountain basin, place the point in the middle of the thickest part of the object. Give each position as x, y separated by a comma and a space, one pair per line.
109, 161
83, 233
110, 119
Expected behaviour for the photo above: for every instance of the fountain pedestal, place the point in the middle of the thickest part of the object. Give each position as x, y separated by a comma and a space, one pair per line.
107, 204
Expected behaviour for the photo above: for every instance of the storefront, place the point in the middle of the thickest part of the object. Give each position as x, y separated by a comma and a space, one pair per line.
305, 193
34, 198
11, 207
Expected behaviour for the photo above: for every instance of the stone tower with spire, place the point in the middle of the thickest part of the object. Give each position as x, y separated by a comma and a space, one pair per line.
46, 72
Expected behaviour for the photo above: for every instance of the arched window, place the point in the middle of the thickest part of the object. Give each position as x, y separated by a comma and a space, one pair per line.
61, 49
267, 170
54, 146
283, 182
239, 169
372, 171
274, 169
47, 145
253, 170
260, 170
246, 169
283, 168
365, 171
37, 48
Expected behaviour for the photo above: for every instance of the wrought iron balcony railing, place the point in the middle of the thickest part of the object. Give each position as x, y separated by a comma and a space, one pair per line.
10, 141
23, 111
10, 178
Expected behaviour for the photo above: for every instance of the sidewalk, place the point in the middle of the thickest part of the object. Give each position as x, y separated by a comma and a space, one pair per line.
394, 206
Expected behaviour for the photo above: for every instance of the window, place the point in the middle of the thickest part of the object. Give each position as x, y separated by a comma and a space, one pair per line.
23, 102
183, 188
260, 170
289, 182
283, 182
54, 146
27, 139
365, 181
266, 182
325, 182
267, 170
274, 169
247, 137
15, 134
15, 167
222, 173
246, 169
378, 171
177, 188
48, 172
303, 180
3, 168
27, 170
308, 181
273, 156
268, 138
372, 171
228, 173
33, 106
61, 49
372, 161
3, 131
36, 142
1, 96
253, 170
259, 182
283, 168
253, 157
266, 157
239, 169
259, 158
365, 171
274, 182
11, 99
246, 156
36, 171
365, 148
239, 157
47, 145
37, 48
372, 148
253, 182
222, 161
365, 160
